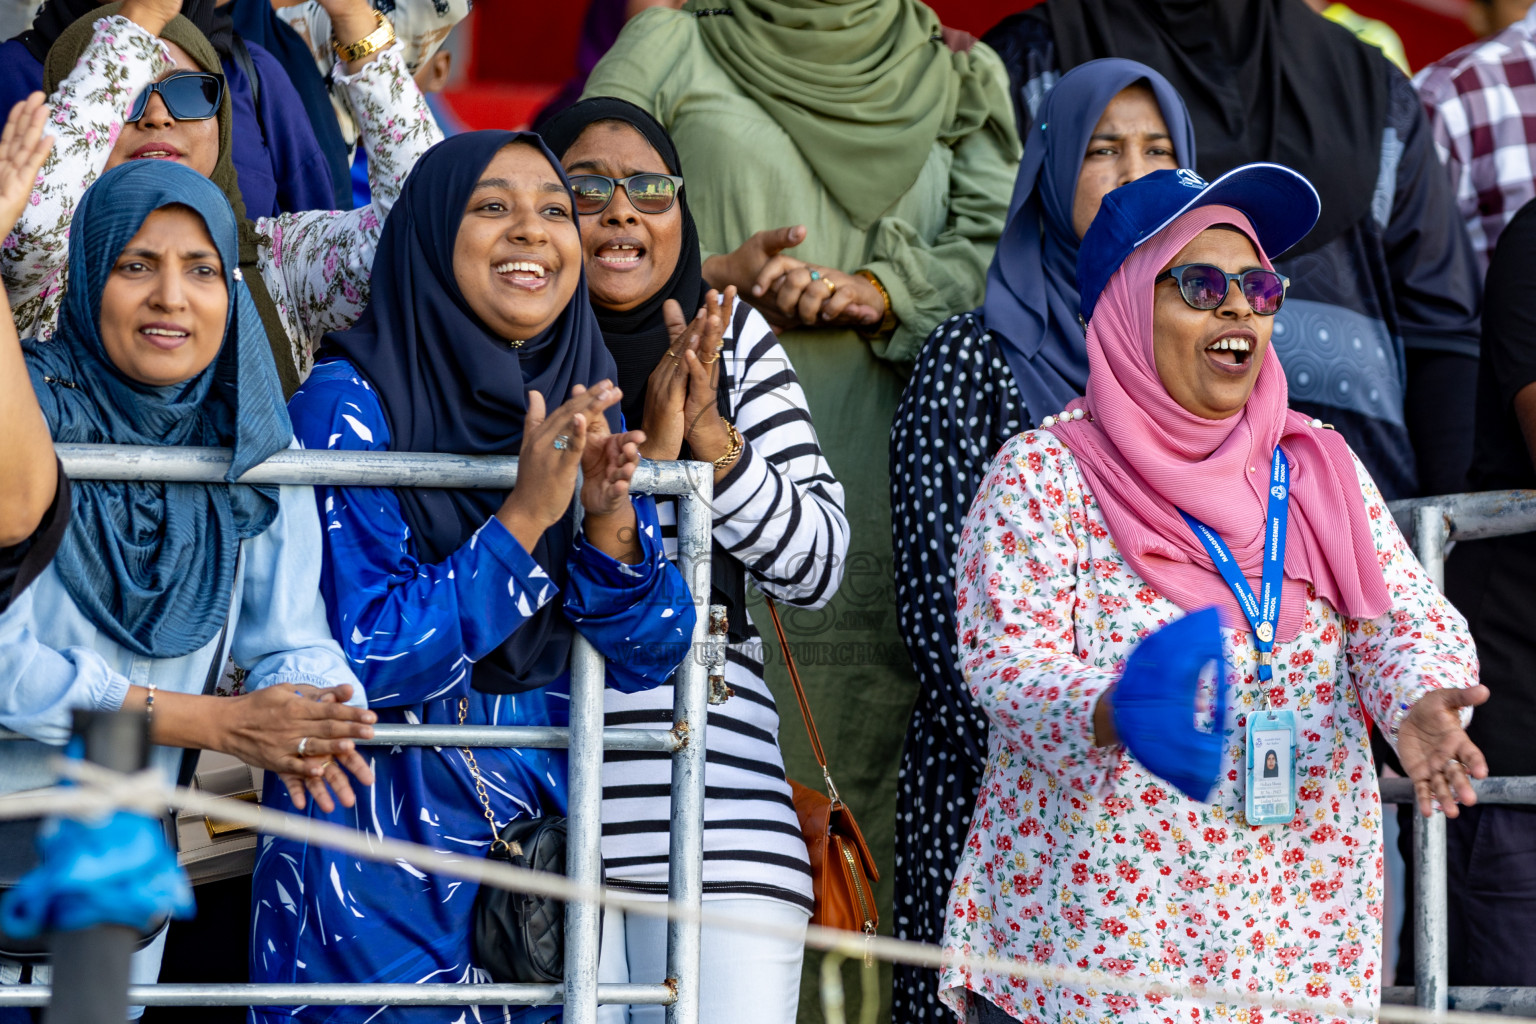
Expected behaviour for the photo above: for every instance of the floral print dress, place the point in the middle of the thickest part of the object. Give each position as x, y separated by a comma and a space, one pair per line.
315, 264
1076, 856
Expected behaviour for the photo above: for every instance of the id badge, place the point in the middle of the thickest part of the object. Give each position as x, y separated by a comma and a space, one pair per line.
1271, 785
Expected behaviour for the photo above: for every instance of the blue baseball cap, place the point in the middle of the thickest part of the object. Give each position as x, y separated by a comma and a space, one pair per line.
1280, 203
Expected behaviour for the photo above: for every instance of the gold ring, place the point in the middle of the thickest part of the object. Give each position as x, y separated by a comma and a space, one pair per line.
712, 359
831, 285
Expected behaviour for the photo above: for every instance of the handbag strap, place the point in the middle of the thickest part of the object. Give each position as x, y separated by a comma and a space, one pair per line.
512, 849
805, 705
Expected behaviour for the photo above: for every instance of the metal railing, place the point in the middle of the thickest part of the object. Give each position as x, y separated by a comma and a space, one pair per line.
586, 738
1430, 524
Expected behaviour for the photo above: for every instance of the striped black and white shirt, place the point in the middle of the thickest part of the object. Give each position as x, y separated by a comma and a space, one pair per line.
780, 511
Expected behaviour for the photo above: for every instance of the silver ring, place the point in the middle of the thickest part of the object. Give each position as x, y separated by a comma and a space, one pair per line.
562, 442
303, 743
1457, 762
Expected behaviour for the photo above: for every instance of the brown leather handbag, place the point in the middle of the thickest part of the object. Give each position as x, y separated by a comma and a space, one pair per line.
842, 868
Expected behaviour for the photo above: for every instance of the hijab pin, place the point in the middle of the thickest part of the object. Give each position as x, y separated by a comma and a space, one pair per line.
517, 344
239, 276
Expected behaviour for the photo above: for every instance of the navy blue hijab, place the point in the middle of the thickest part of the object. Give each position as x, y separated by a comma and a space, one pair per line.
152, 565
448, 383
1031, 302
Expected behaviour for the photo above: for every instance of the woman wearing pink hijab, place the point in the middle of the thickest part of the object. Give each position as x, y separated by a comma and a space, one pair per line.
1173, 585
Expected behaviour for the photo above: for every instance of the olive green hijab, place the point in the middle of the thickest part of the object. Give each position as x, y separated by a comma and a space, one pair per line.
62, 58
863, 87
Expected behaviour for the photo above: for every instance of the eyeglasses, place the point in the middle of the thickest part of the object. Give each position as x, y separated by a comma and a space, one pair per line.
648, 193
188, 96
1205, 287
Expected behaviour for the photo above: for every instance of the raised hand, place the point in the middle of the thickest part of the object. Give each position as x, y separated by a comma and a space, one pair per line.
1436, 752
551, 453
666, 390
351, 21
608, 463
151, 15
23, 148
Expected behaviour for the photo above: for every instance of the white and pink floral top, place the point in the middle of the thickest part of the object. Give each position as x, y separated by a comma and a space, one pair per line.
315, 264
1077, 856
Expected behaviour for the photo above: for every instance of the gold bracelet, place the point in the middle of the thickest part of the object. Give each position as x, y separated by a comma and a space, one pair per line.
382, 35
888, 322
734, 451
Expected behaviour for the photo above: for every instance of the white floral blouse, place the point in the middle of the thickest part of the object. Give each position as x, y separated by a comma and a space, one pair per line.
316, 264
1076, 856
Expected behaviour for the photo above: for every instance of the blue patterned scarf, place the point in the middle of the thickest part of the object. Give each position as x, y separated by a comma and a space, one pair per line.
152, 564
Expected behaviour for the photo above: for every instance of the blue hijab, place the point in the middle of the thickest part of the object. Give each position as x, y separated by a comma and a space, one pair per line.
448, 383
152, 564
1031, 302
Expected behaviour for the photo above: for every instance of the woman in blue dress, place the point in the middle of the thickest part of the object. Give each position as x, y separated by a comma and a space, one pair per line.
461, 606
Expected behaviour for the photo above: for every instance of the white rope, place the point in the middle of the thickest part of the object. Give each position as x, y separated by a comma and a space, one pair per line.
146, 793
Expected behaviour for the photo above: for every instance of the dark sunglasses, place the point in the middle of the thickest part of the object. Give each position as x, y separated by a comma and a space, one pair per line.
1205, 287
188, 96
648, 193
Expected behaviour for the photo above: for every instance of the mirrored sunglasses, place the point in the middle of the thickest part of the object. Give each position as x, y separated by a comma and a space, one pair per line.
648, 193
1205, 287
188, 96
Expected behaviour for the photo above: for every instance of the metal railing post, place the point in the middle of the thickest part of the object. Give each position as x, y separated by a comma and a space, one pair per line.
584, 831
685, 873
1431, 952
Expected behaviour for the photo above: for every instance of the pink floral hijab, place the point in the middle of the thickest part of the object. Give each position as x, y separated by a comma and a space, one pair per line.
1145, 458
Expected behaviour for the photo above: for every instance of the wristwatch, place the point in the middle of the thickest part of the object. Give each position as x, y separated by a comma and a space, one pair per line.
736, 445
382, 35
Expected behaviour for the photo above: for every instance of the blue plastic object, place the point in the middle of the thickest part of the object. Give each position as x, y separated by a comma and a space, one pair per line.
116, 869
1154, 704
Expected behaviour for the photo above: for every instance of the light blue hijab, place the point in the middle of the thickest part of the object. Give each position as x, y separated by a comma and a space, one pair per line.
1031, 302
152, 564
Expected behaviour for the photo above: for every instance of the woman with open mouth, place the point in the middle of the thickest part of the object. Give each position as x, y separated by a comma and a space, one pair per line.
1171, 584
141, 82
463, 606
707, 379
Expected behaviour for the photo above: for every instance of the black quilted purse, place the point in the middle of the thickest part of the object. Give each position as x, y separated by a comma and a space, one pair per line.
519, 938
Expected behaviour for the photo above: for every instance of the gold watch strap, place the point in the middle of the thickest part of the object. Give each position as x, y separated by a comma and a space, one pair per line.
734, 451
382, 35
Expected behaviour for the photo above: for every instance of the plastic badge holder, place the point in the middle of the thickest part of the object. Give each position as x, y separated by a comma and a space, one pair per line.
1271, 788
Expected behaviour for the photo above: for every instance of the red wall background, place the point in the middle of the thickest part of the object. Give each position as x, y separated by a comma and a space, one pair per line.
522, 49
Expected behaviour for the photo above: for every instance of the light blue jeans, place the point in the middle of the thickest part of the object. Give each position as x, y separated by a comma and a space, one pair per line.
745, 978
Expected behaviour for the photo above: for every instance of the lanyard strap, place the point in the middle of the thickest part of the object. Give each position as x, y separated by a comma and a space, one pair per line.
1263, 612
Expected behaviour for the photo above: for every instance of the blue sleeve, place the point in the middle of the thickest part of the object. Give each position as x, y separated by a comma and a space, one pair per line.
299, 164
41, 687
639, 617
409, 629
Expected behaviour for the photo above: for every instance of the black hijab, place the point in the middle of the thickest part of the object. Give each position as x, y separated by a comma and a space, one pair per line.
447, 383
57, 15
1264, 80
637, 338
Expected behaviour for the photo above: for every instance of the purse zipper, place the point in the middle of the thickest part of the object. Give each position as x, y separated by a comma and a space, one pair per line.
858, 892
